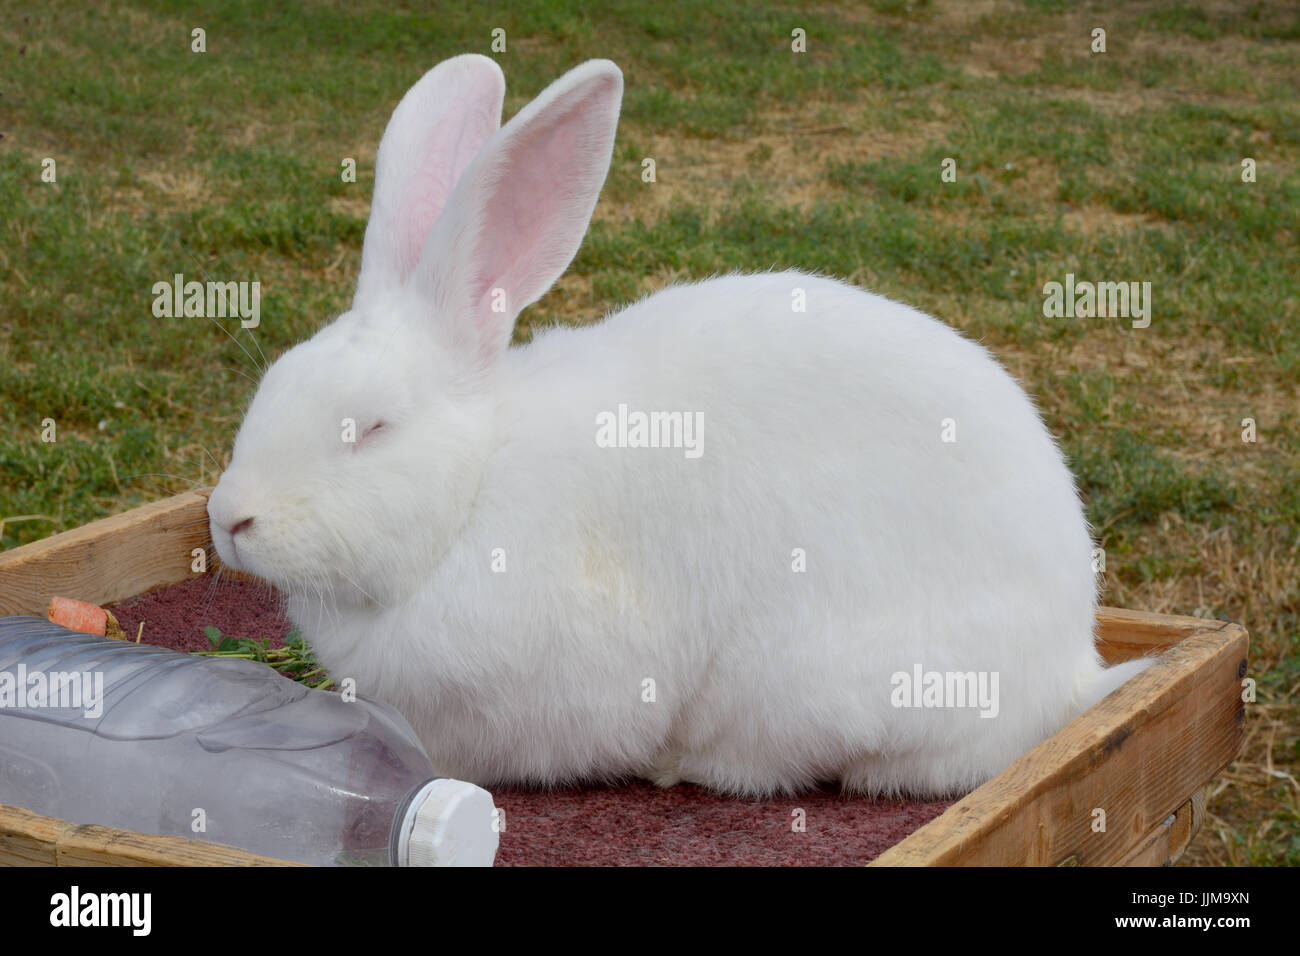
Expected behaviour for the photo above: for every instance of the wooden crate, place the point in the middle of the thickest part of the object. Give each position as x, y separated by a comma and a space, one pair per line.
1144, 755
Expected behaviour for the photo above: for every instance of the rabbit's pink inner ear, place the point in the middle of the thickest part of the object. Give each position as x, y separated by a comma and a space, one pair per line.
539, 196
448, 148
436, 131
517, 245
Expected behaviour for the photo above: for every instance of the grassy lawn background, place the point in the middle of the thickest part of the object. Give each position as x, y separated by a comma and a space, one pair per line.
1117, 166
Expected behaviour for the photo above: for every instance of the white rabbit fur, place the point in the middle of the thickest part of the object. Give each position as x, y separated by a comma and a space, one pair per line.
821, 432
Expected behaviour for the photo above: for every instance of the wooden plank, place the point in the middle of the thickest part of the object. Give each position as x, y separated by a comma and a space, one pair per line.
1137, 755
106, 846
1123, 634
1167, 842
29, 839
107, 560
1188, 824
1153, 850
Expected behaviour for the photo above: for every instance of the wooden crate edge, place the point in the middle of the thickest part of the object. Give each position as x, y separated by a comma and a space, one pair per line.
30, 839
1169, 839
110, 559
960, 835
1122, 633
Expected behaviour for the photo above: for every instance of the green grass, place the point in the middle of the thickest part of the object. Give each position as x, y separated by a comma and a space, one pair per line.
1120, 166
294, 660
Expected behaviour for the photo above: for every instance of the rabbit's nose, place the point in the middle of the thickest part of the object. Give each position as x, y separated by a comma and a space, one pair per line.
241, 526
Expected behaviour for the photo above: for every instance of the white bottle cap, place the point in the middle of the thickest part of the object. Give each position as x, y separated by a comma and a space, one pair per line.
448, 823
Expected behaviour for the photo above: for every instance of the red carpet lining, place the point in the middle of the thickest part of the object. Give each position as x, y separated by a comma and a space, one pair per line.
175, 616
639, 824
636, 824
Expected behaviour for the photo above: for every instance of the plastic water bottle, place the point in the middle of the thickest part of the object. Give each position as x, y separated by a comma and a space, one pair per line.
95, 730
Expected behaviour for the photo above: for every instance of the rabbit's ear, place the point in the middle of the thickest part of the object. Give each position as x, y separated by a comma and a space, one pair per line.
436, 131
516, 218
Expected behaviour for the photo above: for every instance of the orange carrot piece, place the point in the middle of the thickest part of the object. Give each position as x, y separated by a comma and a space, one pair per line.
78, 615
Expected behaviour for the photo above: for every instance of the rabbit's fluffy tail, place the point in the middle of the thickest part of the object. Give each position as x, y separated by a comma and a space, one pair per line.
1110, 679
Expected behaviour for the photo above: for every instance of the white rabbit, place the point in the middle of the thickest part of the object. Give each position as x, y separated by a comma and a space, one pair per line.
733, 611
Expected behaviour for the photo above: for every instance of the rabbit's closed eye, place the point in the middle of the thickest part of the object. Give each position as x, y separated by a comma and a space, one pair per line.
369, 432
